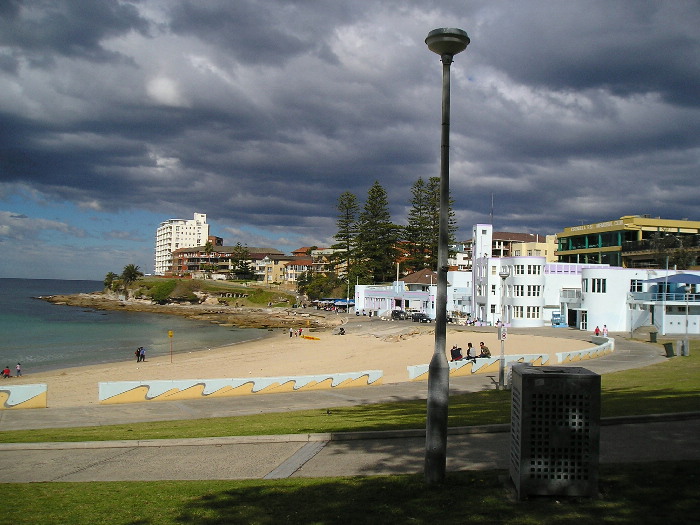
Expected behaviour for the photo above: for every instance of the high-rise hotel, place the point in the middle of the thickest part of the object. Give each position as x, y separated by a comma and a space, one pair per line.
178, 233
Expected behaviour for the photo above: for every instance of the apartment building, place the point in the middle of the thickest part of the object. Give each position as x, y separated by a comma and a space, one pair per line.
633, 241
502, 244
174, 234
221, 261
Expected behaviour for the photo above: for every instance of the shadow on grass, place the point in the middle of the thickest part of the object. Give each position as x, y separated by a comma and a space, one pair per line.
629, 494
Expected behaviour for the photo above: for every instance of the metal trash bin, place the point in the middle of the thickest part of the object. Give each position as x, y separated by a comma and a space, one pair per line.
652, 337
555, 431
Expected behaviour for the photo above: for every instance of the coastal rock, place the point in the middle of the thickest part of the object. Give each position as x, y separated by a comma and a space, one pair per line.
242, 317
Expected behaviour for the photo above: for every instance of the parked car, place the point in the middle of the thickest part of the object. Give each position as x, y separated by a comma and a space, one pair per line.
420, 317
399, 314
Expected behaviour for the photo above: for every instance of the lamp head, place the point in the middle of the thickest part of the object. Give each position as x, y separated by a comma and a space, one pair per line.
447, 41
503, 274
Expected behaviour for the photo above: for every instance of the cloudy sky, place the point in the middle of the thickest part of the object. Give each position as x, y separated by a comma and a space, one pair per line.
117, 115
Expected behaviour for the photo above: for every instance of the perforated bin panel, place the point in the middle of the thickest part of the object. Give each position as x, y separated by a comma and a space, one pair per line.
555, 430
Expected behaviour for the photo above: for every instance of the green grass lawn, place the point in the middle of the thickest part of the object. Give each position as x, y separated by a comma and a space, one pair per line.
638, 494
629, 494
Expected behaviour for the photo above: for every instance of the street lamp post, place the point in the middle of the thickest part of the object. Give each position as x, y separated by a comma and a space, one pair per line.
446, 42
503, 274
688, 289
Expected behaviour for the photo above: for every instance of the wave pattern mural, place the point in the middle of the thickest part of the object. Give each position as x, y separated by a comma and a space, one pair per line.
588, 353
23, 396
491, 365
139, 391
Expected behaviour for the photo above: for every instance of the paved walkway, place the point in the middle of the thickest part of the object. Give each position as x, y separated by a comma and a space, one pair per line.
340, 454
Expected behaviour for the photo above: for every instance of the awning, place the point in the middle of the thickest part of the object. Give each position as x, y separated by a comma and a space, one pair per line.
344, 303
677, 278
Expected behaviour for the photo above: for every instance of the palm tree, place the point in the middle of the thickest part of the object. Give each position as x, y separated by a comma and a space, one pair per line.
130, 274
109, 279
208, 266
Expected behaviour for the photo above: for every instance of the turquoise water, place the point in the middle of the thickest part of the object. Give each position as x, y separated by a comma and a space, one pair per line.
45, 336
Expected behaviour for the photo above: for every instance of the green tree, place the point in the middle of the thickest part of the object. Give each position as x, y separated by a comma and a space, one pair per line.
671, 250
318, 286
422, 233
433, 198
110, 279
346, 222
131, 273
240, 259
417, 233
377, 236
208, 267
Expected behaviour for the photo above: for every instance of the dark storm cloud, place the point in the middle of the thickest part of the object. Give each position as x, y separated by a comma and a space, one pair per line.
626, 47
261, 114
40, 30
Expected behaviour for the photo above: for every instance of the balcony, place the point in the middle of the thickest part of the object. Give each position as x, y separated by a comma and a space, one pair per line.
571, 296
657, 297
647, 245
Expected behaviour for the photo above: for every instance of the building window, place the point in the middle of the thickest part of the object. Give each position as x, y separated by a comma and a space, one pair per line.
493, 270
519, 269
518, 290
493, 308
534, 290
533, 312
598, 285
493, 289
534, 269
635, 285
516, 253
518, 312
584, 285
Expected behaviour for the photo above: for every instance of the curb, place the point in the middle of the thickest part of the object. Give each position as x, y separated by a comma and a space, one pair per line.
318, 437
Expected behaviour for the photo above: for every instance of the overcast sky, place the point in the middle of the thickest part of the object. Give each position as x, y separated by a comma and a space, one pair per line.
118, 115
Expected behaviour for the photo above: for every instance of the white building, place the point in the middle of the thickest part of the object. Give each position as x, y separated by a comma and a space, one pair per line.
527, 291
178, 233
415, 294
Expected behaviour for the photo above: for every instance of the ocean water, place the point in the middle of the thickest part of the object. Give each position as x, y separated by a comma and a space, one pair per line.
44, 336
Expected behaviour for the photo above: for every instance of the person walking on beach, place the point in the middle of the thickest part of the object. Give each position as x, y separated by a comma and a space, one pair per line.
6, 372
138, 354
605, 330
142, 354
18, 368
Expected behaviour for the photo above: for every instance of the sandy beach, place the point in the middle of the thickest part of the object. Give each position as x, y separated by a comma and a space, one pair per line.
386, 346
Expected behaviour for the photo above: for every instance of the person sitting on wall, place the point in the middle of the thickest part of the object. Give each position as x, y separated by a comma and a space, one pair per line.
455, 353
485, 352
469, 352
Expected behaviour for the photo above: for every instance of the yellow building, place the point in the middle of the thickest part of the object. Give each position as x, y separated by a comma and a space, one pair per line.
546, 249
633, 241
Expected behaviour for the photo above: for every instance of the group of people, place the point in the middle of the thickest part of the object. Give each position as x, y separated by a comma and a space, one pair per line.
140, 354
295, 333
6, 373
604, 332
456, 352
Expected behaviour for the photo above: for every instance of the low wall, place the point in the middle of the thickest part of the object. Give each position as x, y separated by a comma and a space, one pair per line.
607, 346
486, 365
139, 391
23, 396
